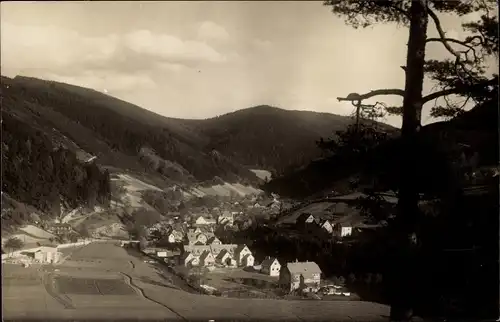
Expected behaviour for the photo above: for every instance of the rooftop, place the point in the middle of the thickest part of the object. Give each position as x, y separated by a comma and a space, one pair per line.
303, 268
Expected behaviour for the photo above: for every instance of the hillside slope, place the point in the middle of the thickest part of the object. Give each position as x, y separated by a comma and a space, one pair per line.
120, 134
270, 138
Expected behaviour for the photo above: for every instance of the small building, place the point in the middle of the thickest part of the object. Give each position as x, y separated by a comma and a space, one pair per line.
326, 225
342, 230
214, 241
189, 260
248, 260
305, 219
225, 258
270, 266
174, 236
47, 254
217, 249
207, 259
240, 252
202, 238
226, 218
302, 276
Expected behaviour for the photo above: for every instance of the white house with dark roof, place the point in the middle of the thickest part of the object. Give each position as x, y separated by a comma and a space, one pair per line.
214, 241
326, 225
240, 253
304, 276
270, 266
225, 258
207, 259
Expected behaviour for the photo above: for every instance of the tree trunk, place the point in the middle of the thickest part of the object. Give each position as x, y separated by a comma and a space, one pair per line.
403, 275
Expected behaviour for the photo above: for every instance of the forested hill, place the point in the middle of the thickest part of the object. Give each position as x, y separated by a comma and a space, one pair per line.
120, 134
270, 138
125, 136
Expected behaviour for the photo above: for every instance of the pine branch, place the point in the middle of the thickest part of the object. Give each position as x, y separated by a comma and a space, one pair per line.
460, 90
359, 97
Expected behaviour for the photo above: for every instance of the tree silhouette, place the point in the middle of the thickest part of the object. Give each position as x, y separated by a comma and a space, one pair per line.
465, 76
13, 244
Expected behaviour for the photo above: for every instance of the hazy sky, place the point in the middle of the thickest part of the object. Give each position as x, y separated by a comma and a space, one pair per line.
201, 59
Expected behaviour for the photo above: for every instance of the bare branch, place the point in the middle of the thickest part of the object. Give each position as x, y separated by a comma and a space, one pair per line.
446, 43
359, 97
467, 43
460, 90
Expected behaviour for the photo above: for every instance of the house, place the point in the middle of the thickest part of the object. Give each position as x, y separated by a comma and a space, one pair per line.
202, 221
247, 260
304, 276
305, 219
214, 241
202, 238
189, 260
217, 249
194, 238
270, 266
174, 236
342, 230
46, 254
326, 225
307, 223
225, 258
197, 250
240, 253
226, 218
207, 259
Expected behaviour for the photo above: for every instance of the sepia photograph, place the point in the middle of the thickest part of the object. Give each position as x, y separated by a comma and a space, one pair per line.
220, 161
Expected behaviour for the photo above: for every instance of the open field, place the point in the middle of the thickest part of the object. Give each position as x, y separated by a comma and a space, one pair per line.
236, 282
104, 281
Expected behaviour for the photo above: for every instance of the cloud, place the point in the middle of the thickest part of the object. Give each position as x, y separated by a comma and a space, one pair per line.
262, 44
126, 58
169, 48
209, 30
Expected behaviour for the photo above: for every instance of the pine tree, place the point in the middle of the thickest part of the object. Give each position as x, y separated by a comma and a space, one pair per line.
465, 76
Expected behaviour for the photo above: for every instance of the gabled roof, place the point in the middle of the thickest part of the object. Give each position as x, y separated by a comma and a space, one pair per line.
212, 239
206, 254
223, 253
323, 222
269, 261
239, 248
303, 217
304, 268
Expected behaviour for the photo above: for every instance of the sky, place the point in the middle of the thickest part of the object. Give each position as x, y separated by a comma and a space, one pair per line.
203, 59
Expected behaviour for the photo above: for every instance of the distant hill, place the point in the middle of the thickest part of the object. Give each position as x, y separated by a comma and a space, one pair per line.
468, 139
268, 137
124, 135
118, 133
60, 141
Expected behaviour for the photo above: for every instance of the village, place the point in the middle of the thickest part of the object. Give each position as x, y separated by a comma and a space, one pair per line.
195, 252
